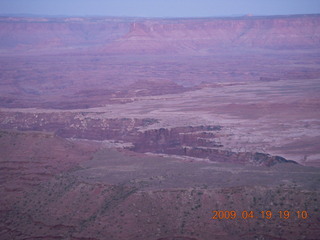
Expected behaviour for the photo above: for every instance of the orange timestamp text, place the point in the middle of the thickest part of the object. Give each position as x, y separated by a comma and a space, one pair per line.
218, 215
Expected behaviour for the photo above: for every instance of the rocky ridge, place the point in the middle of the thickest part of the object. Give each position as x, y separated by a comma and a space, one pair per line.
193, 141
159, 35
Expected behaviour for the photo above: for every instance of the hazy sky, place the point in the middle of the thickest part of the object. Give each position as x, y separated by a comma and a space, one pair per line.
159, 8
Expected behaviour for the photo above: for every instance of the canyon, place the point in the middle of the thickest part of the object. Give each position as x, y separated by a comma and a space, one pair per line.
139, 128
140, 35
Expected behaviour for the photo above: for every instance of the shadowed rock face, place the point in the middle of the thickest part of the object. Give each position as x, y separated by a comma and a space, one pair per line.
192, 141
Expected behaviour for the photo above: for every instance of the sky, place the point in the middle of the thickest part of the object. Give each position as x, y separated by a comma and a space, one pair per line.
159, 8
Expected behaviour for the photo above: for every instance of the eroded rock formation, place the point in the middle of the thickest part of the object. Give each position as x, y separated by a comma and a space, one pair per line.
113, 35
193, 141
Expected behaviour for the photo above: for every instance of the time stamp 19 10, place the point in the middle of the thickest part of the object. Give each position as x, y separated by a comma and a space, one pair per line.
218, 215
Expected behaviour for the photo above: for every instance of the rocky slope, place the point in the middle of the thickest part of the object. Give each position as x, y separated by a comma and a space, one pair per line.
77, 191
27, 159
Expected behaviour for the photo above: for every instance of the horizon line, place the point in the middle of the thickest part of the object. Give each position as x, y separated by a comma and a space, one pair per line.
26, 15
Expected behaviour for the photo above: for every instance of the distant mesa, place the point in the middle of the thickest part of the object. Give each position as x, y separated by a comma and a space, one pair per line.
157, 36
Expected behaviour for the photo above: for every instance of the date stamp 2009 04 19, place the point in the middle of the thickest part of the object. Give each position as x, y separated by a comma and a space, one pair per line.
217, 215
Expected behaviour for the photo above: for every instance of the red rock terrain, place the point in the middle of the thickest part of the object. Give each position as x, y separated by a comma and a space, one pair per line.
119, 35
192, 141
120, 195
127, 128
124, 58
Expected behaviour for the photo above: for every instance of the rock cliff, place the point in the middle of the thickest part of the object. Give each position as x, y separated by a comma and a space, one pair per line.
192, 141
121, 35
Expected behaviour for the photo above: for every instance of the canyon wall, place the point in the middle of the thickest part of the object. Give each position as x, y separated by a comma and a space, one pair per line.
192, 141
124, 35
